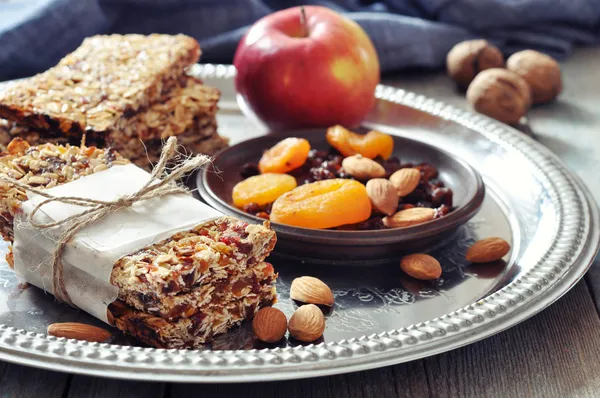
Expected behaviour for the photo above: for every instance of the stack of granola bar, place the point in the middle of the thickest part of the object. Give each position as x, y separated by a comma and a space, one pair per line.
127, 92
176, 293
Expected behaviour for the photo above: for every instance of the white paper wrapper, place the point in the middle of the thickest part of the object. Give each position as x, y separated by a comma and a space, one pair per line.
91, 255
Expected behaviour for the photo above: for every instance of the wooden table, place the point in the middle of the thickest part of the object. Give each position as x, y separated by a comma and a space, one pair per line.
555, 353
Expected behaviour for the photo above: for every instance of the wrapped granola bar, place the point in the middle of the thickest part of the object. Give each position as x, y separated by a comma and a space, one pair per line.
168, 270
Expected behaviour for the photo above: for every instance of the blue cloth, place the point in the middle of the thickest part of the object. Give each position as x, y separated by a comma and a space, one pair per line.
35, 34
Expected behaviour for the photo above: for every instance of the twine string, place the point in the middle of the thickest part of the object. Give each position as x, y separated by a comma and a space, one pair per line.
98, 209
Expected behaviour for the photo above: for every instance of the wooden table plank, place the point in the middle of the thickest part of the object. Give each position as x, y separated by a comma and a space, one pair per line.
90, 387
407, 380
556, 353
24, 382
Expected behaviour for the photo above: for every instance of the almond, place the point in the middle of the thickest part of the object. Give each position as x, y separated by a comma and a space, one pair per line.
362, 168
79, 331
406, 180
487, 250
269, 325
307, 289
307, 324
421, 266
408, 217
383, 196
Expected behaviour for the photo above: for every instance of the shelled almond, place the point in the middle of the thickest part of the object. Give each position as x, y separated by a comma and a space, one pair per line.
79, 331
362, 168
487, 250
307, 324
383, 195
421, 266
409, 217
406, 180
310, 290
269, 325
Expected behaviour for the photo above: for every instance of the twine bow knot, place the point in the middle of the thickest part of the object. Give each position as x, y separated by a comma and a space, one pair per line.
161, 183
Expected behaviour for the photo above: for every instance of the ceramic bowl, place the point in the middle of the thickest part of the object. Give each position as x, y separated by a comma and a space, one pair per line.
348, 247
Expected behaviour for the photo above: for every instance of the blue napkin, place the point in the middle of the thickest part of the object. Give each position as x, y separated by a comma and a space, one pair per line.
35, 34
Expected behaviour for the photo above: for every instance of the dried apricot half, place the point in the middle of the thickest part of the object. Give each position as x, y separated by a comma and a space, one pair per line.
262, 189
323, 204
373, 144
369, 145
339, 138
286, 155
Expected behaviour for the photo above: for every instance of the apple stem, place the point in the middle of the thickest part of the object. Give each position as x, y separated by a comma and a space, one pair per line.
303, 20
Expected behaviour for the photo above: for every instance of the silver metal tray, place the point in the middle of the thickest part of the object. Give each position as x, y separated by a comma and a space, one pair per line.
381, 317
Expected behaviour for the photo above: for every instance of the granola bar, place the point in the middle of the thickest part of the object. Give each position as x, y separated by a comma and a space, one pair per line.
201, 138
45, 166
11, 130
190, 332
209, 251
173, 114
212, 291
178, 292
188, 111
104, 79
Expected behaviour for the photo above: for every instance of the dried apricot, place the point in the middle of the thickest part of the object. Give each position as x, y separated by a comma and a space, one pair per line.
373, 144
369, 145
286, 155
323, 204
339, 138
262, 189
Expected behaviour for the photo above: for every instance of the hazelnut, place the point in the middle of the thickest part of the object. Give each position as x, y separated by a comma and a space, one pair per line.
468, 58
501, 94
541, 72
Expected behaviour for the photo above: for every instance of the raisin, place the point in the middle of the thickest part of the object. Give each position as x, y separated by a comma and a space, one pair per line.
249, 170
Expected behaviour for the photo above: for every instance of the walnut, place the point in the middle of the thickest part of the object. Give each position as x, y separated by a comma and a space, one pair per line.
501, 94
540, 71
468, 58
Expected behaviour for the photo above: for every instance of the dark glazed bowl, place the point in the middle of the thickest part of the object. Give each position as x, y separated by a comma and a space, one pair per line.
347, 247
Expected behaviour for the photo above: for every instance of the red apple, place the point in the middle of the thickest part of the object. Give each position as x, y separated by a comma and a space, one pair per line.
307, 67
